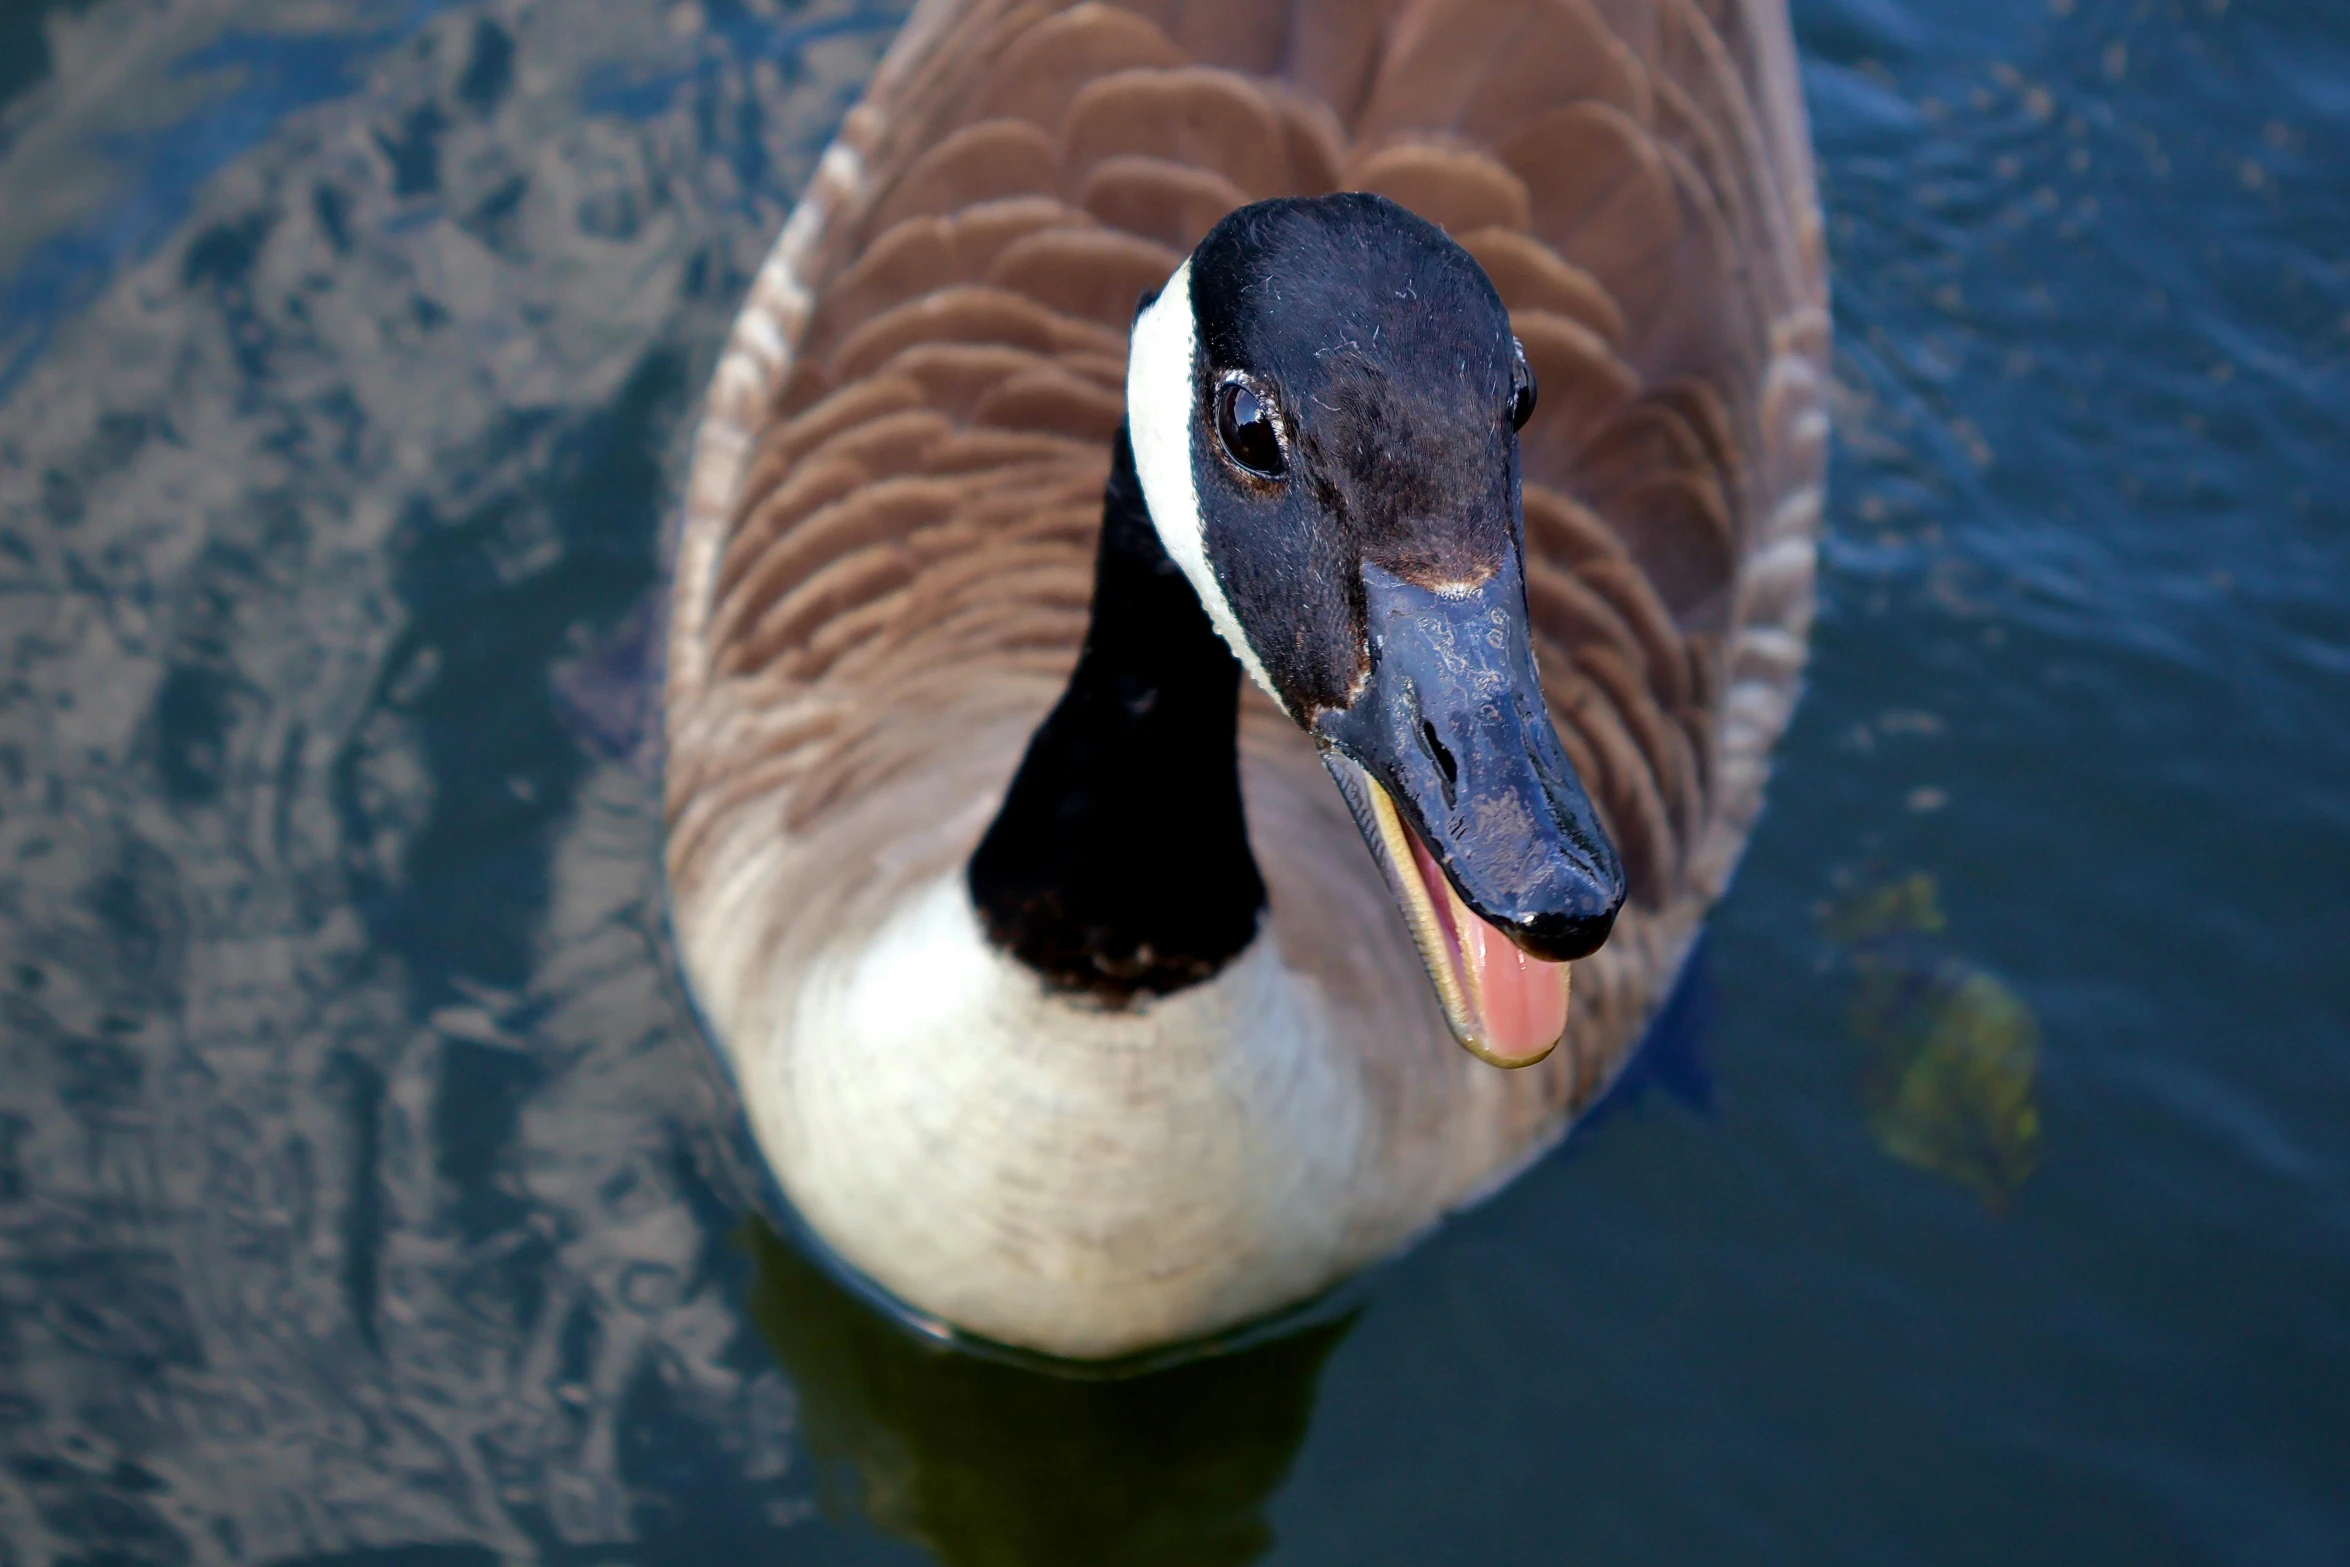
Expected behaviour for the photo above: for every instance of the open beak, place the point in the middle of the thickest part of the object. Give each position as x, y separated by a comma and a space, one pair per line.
1448, 759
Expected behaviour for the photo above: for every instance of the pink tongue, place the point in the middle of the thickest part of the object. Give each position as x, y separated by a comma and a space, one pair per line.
1524, 999
1520, 1001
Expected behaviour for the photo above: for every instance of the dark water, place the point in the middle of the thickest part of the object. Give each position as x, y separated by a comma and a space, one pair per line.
362, 1196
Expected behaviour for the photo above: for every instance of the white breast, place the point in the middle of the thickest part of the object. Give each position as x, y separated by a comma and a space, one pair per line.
1044, 1171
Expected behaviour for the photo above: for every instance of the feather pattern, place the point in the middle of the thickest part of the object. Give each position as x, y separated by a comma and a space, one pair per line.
882, 577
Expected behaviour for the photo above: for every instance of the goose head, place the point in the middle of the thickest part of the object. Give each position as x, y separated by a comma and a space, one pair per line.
1324, 403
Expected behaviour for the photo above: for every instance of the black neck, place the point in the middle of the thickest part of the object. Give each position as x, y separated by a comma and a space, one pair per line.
1119, 864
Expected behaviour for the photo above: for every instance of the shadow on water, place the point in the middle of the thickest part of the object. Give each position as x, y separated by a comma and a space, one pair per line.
986, 1463
25, 56
495, 588
1673, 1056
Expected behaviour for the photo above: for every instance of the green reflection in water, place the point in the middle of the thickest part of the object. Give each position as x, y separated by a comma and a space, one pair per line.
1953, 1050
993, 1465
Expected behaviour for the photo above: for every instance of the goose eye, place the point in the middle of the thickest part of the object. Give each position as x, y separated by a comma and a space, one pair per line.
1521, 388
1244, 423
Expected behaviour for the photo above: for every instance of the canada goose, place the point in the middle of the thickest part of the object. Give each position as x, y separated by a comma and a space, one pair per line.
1010, 674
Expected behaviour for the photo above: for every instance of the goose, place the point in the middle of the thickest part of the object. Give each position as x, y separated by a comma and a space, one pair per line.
1233, 551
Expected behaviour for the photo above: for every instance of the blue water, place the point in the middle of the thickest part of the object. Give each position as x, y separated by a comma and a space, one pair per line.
365, 1199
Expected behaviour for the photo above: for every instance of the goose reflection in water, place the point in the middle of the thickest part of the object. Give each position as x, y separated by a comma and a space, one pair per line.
980, 1461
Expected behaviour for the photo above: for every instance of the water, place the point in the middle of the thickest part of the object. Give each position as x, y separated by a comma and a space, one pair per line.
362, 1193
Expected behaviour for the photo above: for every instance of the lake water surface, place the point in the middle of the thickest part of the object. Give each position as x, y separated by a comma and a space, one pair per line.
364, 1197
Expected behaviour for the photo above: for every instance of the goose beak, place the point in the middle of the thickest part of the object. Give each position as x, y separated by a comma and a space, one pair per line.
1448, 759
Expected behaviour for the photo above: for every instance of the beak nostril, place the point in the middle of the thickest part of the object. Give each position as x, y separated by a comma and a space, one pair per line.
1441, 754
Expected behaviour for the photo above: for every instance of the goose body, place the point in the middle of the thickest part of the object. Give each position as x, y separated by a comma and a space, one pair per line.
1069, 1000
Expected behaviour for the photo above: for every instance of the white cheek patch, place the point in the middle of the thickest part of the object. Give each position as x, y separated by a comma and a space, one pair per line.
1159, 383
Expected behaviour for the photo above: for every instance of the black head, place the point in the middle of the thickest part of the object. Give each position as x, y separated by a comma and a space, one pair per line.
1352, 379
1324, 404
